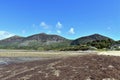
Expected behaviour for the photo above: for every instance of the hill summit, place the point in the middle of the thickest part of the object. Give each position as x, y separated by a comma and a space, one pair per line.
35, 41
43, 37
45, 41
90, 38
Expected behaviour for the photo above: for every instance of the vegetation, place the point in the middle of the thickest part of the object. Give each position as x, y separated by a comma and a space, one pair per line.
37, 46
75, 48
91, 38
101, 44
45, 42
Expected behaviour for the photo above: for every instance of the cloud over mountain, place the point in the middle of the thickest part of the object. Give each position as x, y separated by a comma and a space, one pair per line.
5, 34
44, 25
71, 31
59, 25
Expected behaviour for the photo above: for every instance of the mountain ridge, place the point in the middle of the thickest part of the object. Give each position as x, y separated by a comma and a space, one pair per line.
44, 37
36, 40
89, 38
60, 35
51, 41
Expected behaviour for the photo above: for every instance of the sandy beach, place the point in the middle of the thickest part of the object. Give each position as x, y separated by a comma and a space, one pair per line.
65, 65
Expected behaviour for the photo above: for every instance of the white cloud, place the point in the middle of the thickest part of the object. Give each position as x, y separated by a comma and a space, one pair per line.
71, 31
44, 25
5, 34
58, 31
59, 25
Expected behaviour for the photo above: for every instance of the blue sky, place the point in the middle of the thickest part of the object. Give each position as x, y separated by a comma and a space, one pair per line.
68, 18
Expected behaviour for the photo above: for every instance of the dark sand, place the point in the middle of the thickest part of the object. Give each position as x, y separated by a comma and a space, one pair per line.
84, 67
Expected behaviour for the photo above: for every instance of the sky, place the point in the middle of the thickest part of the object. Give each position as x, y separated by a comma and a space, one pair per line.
68, 18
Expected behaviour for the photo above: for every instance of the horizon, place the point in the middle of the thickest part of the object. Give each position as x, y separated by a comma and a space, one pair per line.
70, 19
62, 36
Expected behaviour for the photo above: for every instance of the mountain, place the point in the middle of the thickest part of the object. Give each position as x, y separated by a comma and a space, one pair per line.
89, 38
36, 41
11, 40
45, 37
42, 39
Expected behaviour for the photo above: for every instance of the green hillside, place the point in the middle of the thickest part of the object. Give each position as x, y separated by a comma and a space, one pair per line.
44, 41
